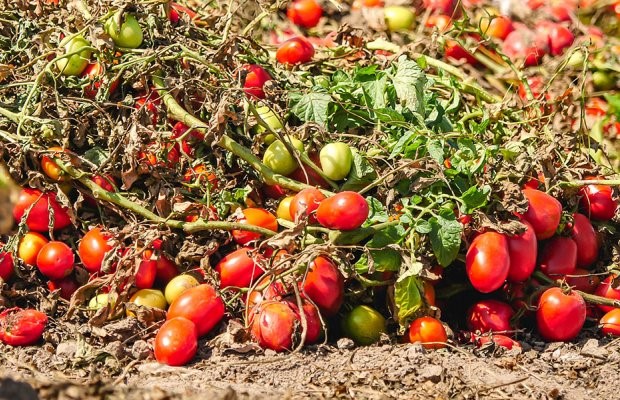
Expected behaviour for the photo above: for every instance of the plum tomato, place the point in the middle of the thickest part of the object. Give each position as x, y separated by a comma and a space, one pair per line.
257, 217
21, 327
324, 285
428, 331
560, 316
336, 160
238, 269
166, 270
67, 286
6, 265
490, 316
178, 285
148, 298
284, 208
558, 36
610, 323
201, 305
609, 289
398, 18
95, 72
582, 279
364, 325
271, 119
279, 159
343, 211
55, 260
74, 64
525, 46
29, 247
497, 26
488, 261
50, 167
558, 257
147, 269
255, 78
176, 342
523, 250
543, 213
128, 35
304, 13
93, 248
305, 203
297, 50
597, 202
585, 237
39, 217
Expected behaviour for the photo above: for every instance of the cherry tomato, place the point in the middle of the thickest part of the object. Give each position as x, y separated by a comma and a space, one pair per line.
92, 249
297, 50
597, 202
74, 65
610, 323
238, 269
610, 289
558, 257
324, 285
304, 13
497, 26
398, 18
279, 160
543, 213
488, 261
176, 342
6, 265
148, 298
305, 203
364, 325
19, 327
39, 217
490, 316
523, 45
499, 340
257, 217
55, 260
29, 247
145, 275
336, 160
523, 250
166, 270
67, 286
128, 35
429, 332
582, 279
343, 211
255, 78
95, 72
178, 285
560, 316
585, 237
201, 305
49, 166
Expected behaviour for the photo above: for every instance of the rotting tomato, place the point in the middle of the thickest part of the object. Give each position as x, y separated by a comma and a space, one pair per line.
39, 217
597, 202
305, 203
177, 285
585, 237
543, 213
278, 158
93, 248
21, 327
324, 285
176, 342
305, 13
128, 34
428, 331
201, 305
55, 260
336, 160
488, 261
398, 18
255, 78
297, 50
257, 217
558, 257
29, 247
609, 289
523, 250
498, 340
343, 211
364, 325
6, 265
490, 316
238, 269
560, 316
610, 323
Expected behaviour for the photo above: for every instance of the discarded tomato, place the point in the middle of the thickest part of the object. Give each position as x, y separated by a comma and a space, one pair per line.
21, 327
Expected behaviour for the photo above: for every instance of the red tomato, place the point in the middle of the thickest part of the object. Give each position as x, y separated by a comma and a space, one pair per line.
238, 269
257, 217
151, 103
358, 4
610, 289
6, 265
50, 167
145, 275
523, 250
498, 26
55, 260
343, 211
558, 257
19, 327
524, 45
560, 38
93, 248
95, 72
29, 247
585, 237
176, 342
429, 332
537, 87
440, 21
499, 340
447, 7
67, 287
273, 291
490, 316
582, 279
610, 322
543, 213
597, 202
176, 10
560, 316
39, 217
305, 203
488, 261
429, 293
255, 78
166, 270
201, 305
324, 285
455, 51
296, 50
274, 191
304, 13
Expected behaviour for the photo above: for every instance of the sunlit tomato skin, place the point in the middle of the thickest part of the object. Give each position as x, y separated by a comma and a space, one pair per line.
95, 72
490, 316
560, 38
128, 34
176, 10
278, 158
453, 50
274, 325
305, 13
429, 332
324, 285
176, 342
257, 217
523, 250
498, 26
499, 340
398, 18
284, 208
558, 257
21, 327
6, 265
610, 289
255, 78
148, 298
55, 260
305, 203
93, 248
447, 7
166, 270
610, 323
597, 202
523, 45
440, 21
343, 211
29, 247
560, 316
67, 287
585, 237
543, 213
238, 269
294, 51
39, 217
364, 325
50, 167
201, 305
74, 65
178, 285
147, 269
582, 279
488, 261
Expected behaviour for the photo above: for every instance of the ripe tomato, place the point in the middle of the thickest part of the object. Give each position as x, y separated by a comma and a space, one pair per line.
178, 285
201, 305
55, 260
93, 248
582, 279
440, 21
344, 211
398, 18
257, 217
279, 160
560, 316
497, 26
597, 202
39, 217
429, 332
67, 287
429, 293
610, 323
610, 289
499, 340
166, 270
488, 261
95, 72
145, 275
49, 166
447, 7
336, 160
29, 247
490, 316
238, 269
585, 237
74, 64
176, 10
273, 291
305, 203
537, 86
128, 35
364, 325
176, 342
453, 50
6, 265
304, 13
558, 257
523, 45
255, 78
150, 102
19, 327
557, 35
523, 250
543, 213
297, 50
324, 285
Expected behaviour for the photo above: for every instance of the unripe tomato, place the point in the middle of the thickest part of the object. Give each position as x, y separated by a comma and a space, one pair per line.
55, 260
6, 265
279, 160
398, 18
297, 50
76, 63
343, 211
21, 327
284, 208
178, 285
610, 289
201, 305
149, 298
304, 13
610, 323
543, 213
490, 316
324, 285
67, 286
585, 237
497, 26
364, 325
305, 203
145, 275
488, 261
255, 79
584, 280
257, 217
603, 80
271, 119
429, 332
93, 248
102, 300
49, 166
523, 250
176, 342
238, 269
559, 257
336, 160
560, 316
128, 35
39, 217
597, 202
29, 247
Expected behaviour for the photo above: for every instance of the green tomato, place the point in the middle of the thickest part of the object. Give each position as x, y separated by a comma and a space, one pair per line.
271, 119
101, 300
336, 160
129, 35
398, 18
279, 160
603, 80
74, 65
364, 325
178, 285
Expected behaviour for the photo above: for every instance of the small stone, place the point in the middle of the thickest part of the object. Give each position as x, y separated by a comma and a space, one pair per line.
345, 344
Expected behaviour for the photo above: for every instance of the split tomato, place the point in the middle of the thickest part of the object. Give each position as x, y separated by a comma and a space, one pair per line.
19, 327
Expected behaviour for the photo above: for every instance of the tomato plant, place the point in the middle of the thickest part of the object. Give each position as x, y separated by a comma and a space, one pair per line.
543, 213
39, 204
560, 316
21, 327
523, 250
364, 325
305, 203
585, 237
343, 211
597, 202
324, 285
336, 160
297, 50
429, 332
201, 305
559, 257
29, 247
55, 260
92, 249
238, 269
488, 261
490, 316
610, 323
398, 18
304, 13
257, 217
176, 342
128, 34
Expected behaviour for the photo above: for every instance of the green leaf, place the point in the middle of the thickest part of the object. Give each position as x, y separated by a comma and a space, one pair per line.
96, 155
410, 83
378, 213
445, 237
382, 260
435, 150
362, 173
614, 103
374, 91
390, 235
475, 198
388, 115
423, 227
313, 107
407, 295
